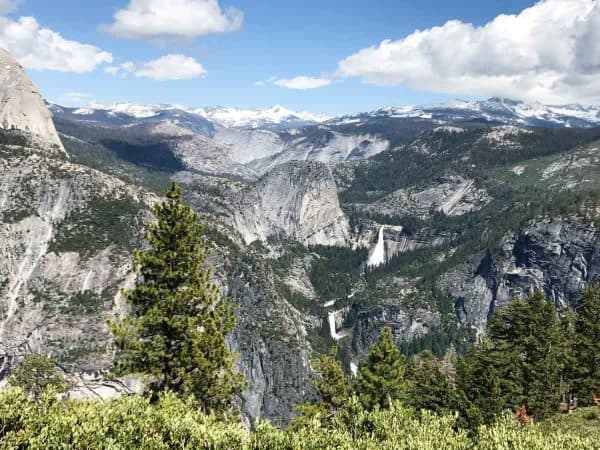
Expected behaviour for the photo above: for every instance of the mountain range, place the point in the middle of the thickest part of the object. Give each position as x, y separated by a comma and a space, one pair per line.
322, 230
493, 110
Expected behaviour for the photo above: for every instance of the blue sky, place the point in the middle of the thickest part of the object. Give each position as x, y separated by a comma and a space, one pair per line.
281, 40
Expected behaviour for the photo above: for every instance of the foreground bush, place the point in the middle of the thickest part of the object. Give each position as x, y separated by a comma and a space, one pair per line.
129, 423
135, 423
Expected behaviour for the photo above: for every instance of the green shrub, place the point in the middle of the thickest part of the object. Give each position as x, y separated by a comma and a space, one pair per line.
38, 373
135, 422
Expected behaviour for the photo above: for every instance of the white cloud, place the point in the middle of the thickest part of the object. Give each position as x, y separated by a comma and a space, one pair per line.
549, 52
7, 6
128, 66
170, 67
145, 19
301, 82
112, 70
40, 48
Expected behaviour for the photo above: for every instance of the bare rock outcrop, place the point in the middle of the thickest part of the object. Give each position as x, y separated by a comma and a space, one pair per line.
297, 200
559, 256
22, 107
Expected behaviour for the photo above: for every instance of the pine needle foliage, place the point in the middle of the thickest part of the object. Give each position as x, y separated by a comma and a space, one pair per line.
586, 345
178, 326
381, 374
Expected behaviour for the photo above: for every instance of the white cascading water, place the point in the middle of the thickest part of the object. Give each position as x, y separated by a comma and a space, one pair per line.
333, 327
377, 258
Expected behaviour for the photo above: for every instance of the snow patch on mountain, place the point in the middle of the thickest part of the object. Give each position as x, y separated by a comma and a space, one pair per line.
83, 112
136, 110
255, 118
501, 110
224, 116
448, 129
504, 133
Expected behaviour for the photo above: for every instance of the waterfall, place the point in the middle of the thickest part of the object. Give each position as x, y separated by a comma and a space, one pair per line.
333, 327
377, 258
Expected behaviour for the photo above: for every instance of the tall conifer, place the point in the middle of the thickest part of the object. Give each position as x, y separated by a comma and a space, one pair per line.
178, 325
381, 374
586, 346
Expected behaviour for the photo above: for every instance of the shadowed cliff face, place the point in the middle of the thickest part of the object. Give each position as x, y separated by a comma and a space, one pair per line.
558, 256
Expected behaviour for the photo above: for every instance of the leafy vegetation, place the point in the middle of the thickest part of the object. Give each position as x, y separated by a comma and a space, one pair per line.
136, 422
335, 271
37, 374
97, 224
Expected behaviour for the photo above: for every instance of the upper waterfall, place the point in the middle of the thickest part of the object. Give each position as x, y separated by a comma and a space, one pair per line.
377, 258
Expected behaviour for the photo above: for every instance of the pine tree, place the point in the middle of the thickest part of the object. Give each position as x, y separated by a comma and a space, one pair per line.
334, 390
178, 325
567, 357
381, 374
586, 345
331, 382
429, 387
488, 383
526, 336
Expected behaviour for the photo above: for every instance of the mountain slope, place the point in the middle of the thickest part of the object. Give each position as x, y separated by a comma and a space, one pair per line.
22, 106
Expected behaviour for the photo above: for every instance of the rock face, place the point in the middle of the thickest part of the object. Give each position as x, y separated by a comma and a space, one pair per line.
557, 256
406, 324
65, 241
21, 105
297, 200
453, 196
199, 152
65, 254
63, 258
325, 146
271, 338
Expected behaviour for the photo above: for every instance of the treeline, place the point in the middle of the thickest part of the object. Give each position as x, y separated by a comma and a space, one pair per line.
530, 362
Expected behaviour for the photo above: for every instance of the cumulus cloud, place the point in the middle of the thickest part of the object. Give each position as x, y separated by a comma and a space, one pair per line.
171, 67
549, 52
145, 19
301, 82
168, 67
40, 48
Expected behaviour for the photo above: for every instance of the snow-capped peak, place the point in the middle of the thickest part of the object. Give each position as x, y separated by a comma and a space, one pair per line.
502, 110
132, 109
225, 116
239, 117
